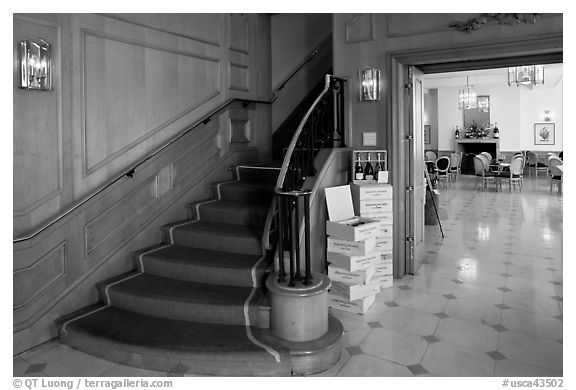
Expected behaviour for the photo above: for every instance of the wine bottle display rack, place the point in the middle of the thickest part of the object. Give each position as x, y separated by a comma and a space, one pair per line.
367, 163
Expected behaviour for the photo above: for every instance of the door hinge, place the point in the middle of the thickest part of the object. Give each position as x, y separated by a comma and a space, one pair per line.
410, 243
409, 137
408, 86
410, 188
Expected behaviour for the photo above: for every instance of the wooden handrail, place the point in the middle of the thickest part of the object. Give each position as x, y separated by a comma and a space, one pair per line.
132, 170
312, 133
306, 60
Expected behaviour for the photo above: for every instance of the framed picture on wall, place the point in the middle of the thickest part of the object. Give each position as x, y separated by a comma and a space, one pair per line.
427, 134
544, 133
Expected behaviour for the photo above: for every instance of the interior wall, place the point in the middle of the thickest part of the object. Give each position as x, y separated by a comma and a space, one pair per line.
366, 40
294, 38
514, 109
124, 85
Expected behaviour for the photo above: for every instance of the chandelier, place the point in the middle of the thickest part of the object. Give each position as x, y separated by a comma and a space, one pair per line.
467, 97
526, 75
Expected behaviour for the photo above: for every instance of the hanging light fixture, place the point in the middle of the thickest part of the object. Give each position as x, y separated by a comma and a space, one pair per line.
526, 75
467, 97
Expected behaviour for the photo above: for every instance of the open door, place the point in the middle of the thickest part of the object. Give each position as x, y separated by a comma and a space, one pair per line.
415, 181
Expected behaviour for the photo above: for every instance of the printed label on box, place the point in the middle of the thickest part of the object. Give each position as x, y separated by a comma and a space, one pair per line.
352, 248
356, 291
384, 268
385, 231
359, 306
375, 205
353, 263
386, 281
348, 277
385, 255
383, 244
384, 217
366, 191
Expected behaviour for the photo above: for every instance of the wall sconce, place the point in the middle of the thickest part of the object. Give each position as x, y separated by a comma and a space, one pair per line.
546, 115
35, 64
369, 84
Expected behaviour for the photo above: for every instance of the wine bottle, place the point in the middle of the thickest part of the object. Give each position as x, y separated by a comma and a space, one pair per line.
368, 170
496, 131
358, 169
377, 167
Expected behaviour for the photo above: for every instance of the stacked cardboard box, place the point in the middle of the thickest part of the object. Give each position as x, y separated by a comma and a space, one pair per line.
375, 201
351, 254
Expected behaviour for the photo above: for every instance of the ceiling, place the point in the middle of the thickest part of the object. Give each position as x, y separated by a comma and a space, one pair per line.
553, 75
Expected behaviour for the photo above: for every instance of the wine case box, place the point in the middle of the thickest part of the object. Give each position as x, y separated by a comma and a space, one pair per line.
385, 256
383, 244
385, 230
383, 217
359, 306
371, 191
372, 206
356, 291
351, 248
353, 263
343, 223
363, 276
385, 281
385, 267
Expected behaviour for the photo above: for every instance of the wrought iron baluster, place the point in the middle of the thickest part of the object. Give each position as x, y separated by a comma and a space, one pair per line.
321, 124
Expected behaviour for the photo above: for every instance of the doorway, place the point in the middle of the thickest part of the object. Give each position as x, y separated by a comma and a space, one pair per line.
404, 159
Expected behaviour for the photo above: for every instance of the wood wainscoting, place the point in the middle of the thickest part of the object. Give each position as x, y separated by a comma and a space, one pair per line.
55, 271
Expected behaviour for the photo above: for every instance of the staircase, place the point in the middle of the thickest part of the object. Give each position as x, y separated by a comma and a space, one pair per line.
196, 303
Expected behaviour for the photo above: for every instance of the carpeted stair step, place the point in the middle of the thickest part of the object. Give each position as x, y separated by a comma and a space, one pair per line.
200, 265
179, 299
258, 174
215, 236
161, 344
227, 211
240, 191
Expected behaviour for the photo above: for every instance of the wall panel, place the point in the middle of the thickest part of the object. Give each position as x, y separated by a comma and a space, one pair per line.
133, 91
37, 135
33, 281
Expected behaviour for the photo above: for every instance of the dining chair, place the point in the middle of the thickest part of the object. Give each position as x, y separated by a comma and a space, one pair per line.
454, 166
430, 155
484, 177
553, 161
485, 161
556, 179
514, 175
534, 164
442, 168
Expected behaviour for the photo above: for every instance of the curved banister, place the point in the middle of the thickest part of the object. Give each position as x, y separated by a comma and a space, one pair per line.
132, 170
273, 210
318, 128
290, 151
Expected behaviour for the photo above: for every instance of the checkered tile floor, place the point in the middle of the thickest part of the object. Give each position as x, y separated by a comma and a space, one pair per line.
487, 301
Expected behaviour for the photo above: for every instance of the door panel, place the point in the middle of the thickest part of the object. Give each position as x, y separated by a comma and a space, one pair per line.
416, 191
